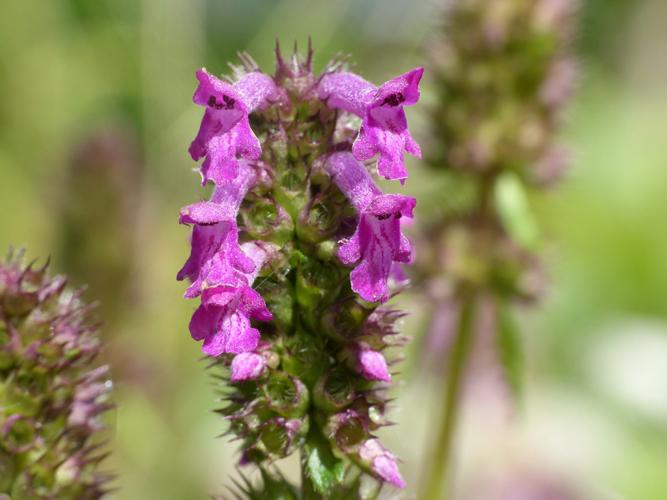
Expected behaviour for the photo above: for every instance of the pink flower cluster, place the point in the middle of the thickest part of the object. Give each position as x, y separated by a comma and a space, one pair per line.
222, 271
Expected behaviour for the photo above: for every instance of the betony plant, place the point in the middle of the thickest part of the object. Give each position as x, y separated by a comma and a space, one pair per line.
293, 259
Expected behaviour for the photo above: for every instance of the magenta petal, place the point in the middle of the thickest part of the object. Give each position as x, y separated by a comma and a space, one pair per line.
203, 321
247, 366
214, 344
215, 259
254, 306
384, 130
378, 243
353, 179
369, 278
221, 100
350, 251
257, 90
404, 253
208, 128
225, 150
392, 205
204, 243
402, 90
203, 213
372, 365
221, 163
224, 329
390, 144
346, 91
387, 468
240, 336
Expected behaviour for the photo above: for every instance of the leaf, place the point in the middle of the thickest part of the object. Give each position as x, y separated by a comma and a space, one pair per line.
509, 350
515, 212
322, 467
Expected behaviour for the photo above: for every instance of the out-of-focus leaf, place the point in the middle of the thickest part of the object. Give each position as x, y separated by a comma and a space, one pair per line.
515, 212
510, 353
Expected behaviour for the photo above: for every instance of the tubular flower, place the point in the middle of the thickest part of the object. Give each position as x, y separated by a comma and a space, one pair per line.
216, 257
222, 321
378, 241
307, 351
225, 134
384, 129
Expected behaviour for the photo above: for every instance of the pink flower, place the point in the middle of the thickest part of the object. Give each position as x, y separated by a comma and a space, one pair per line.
247, 366
224, 135
222, 320
382, 462
372, 365
384, 129
215, 257
378, 242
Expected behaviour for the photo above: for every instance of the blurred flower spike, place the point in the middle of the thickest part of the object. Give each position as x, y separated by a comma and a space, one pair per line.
54, 394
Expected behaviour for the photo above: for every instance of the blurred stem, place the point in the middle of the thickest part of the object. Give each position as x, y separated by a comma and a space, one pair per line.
436, 486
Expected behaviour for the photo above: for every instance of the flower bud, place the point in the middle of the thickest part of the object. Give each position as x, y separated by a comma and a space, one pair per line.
334, 391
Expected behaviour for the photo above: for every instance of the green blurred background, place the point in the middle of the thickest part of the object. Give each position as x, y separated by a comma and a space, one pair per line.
95, 100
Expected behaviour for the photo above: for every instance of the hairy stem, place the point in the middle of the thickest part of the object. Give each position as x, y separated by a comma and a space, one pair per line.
436, 486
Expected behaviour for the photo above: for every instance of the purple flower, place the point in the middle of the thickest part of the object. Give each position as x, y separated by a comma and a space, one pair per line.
224, 134
215, 257
384, 129
222, 320
247, 366
382, 462
378, 241
372, 365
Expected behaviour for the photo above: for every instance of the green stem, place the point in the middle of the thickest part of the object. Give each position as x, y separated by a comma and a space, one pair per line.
436, 486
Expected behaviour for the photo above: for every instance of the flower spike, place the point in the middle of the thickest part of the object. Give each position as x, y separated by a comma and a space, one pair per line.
305, 352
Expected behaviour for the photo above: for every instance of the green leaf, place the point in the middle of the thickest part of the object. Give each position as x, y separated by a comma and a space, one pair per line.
509, 349
322, 467
514, 209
